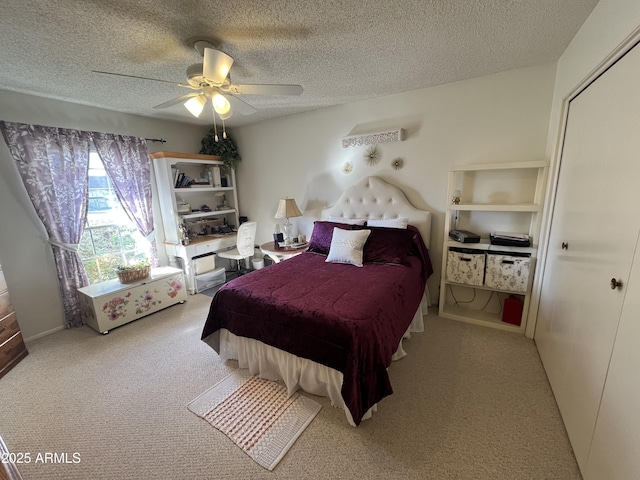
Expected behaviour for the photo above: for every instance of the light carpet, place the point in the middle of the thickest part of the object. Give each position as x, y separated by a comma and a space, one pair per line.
258, 415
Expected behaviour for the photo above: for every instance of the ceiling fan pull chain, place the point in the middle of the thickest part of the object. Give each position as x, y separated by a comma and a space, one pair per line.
215, 128
224, 131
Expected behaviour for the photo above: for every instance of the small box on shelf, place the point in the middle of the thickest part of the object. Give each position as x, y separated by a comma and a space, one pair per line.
508, 272
210, 279
465, 266
512, 310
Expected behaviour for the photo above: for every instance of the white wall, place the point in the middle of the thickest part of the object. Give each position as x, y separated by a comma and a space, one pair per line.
25, 255
497, 118
610, 23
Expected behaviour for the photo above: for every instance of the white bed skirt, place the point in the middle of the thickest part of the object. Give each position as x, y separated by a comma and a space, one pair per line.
275, 364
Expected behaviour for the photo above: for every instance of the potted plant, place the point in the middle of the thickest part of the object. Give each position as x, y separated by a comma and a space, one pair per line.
225, 148
133, 272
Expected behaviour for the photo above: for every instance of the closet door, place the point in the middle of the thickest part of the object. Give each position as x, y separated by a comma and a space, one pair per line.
592, 240
616, 443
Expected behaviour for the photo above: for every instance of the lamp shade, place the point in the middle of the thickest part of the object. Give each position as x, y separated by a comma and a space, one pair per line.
195, 105
287, 208
225, 116
216, 66
221, 104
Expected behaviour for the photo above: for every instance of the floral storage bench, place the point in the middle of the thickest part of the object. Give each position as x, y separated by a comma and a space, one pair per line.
110, 304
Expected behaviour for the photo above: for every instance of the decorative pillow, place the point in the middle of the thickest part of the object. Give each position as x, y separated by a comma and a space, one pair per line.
388, 245
400, 222
320, 240
348, 221
347, 246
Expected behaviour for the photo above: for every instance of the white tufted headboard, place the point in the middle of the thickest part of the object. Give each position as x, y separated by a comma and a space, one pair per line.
372, 197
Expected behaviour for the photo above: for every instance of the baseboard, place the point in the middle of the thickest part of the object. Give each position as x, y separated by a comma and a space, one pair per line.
44, 334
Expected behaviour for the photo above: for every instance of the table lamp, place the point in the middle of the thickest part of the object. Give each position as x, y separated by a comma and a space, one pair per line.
287, 209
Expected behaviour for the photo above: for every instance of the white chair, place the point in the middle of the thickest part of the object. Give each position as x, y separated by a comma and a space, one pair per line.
244, 245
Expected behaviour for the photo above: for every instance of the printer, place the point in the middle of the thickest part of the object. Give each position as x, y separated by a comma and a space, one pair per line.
464, 236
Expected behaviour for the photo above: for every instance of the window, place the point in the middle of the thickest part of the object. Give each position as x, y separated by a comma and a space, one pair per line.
110, 238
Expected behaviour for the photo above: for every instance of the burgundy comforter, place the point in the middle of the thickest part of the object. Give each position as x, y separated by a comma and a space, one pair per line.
345, 317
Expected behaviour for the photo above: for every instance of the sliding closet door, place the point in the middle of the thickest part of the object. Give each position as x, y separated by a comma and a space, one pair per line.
615, 450
593, 236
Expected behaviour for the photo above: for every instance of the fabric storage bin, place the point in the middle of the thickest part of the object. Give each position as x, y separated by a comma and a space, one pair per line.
209, 280
508, 273
465, 266
204, 264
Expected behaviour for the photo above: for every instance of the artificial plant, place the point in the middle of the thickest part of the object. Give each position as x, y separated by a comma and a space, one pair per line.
225, 148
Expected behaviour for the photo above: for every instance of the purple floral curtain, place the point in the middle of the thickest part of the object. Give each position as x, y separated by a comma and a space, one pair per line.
54, 164
127, 163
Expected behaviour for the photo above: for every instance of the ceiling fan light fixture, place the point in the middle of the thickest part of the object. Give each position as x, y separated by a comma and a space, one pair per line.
195, 105
216, 66
221, 104
225, 116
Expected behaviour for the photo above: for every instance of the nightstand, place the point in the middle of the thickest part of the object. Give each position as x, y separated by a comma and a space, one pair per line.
281, 253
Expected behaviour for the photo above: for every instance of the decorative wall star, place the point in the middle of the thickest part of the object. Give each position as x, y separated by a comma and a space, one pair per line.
347, 168
397, 164
372, 155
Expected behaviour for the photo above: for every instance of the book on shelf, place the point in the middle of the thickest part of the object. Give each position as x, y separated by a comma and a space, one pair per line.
178, 180
183, 181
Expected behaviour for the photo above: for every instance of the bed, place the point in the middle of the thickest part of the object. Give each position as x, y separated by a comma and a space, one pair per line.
319, 322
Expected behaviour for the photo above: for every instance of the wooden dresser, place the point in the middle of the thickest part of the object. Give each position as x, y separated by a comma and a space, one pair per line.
12, 347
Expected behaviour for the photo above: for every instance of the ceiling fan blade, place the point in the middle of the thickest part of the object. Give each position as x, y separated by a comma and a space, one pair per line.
265, 89
178, 100
144, 78
216, 65
238, 106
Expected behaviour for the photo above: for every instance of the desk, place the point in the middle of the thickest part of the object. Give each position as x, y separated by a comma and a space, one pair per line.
281, 253
181, 256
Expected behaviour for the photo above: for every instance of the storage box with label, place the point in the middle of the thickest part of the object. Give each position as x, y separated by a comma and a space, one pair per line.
465, 266
508, 273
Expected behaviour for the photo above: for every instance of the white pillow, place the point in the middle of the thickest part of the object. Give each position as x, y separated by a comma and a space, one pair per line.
348, 221
347, 246
400, 222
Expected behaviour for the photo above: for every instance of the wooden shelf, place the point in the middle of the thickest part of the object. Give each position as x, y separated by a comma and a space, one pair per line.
486, 245
490, 207
202, 189
191, 157
522, 184
482, 287
478, 317
212, 213
180, 251
500, 166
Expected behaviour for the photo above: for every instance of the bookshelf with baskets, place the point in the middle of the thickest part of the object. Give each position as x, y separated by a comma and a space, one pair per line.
480, 280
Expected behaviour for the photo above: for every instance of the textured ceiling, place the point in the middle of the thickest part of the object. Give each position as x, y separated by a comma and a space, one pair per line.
340, 51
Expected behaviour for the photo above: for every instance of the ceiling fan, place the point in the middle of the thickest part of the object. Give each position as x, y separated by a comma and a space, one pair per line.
210, 81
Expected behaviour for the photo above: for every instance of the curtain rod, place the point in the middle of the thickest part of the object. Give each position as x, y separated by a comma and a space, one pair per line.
156, 140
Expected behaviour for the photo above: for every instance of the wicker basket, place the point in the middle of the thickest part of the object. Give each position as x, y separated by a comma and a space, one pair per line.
133, 275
